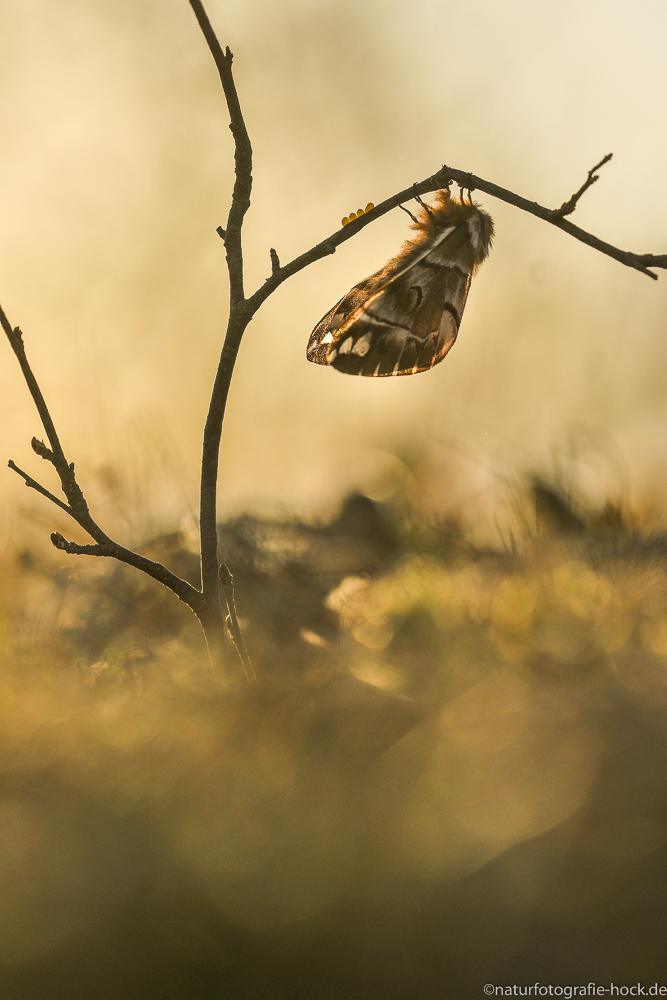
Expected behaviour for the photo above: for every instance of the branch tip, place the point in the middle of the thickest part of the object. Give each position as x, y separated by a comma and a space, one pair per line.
275, 261
41, 449
569, 206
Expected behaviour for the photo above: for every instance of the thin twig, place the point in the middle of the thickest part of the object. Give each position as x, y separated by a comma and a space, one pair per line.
73, 548
242, 153
77, 507
569, 206
471, 181
110, 549
227, 584
64, 470
34, 485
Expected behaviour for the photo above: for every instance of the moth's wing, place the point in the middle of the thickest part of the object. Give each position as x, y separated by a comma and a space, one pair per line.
323, 335
410, 322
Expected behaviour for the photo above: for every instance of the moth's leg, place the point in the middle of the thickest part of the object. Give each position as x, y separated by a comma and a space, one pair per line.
414, 219
422, 203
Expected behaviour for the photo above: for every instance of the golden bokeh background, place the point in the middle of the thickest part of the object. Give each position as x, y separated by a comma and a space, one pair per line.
453, 771
117, 168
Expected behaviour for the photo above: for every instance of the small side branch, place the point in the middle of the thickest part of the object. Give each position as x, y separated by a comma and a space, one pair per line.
77, 508
112, 550
34, 485
227, 585
56, 455
40, 449
639, 262
569, 206
74, 549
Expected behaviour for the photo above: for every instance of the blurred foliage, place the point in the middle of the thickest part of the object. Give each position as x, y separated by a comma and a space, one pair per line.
452, 771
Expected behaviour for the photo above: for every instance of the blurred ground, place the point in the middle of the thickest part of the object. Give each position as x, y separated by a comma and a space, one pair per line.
452, 771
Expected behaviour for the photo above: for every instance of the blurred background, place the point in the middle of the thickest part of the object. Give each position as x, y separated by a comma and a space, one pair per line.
117, 168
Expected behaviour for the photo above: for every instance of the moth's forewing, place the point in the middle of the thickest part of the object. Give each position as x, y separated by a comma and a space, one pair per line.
411, 322
405, 318
323, 335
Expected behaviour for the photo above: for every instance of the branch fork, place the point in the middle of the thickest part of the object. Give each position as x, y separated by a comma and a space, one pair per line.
569, 206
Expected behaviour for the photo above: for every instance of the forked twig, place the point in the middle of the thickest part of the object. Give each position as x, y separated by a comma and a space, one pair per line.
76, 505
569, 206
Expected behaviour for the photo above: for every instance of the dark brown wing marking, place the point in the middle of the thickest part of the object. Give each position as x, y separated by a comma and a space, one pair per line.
405, 318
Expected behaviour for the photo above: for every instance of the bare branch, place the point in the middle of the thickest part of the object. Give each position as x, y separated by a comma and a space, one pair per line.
472, 182
468, 182
569, 206
653, 260
205, 603
77, 507
66, 474
112, 550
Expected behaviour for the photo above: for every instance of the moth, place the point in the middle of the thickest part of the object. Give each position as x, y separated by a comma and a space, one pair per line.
405, 317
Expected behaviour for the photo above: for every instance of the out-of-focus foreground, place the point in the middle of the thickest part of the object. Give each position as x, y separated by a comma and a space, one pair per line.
452, 773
